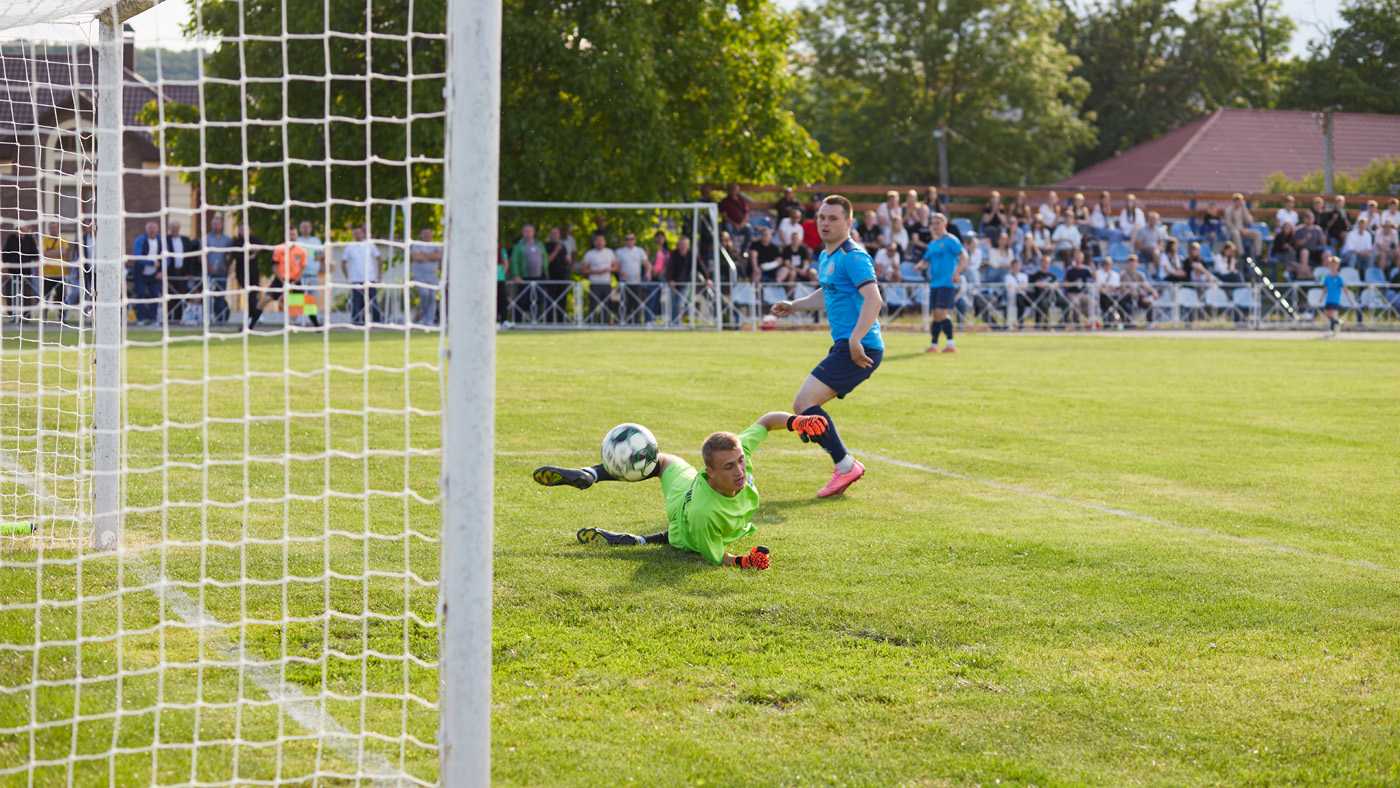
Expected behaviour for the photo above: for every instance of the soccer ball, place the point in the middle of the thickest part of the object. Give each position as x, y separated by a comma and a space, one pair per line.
629, 452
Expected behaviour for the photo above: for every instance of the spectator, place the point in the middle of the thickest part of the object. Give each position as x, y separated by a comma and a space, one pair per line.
920, 234
797, 261
1283, 248
870, 230
680, 271
1206, 224
887, 260
1080, 210
735, 210
1020, 208
1391, 213
1309, 240
529, 264
1387, 244
1286, 214
1239, 226
147, 252
425, 256
1001, 256
1038, 240
311, 274
663, 250
359, 267
1066, 238
55, 252
787, 204
1335, 222
557, 270
1148, 238
246, 261
80, 274
216, 268
889, 210
179, 270
1227, 264
790, 224
1050, 210
1077, 280
570, 243
288, 261
1171, 267
897, 235
1018, 287
911, 204
934, 200
993, 217
746, 269
634, 277
1138, 293
1358, 250
1195, 265
1131, 217
811, 238
1372, 214
1101, 217
765, 256
1108, 283
599, 264
1044, 289
502, 263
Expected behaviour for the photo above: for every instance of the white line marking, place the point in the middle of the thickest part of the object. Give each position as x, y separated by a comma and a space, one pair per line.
1128, 514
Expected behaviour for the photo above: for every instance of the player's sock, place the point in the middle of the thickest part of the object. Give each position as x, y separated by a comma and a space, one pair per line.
660, 538
948, 327
828, 440
600, 474
937, 330
846, 464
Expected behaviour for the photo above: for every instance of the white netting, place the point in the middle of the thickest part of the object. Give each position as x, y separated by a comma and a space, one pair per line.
268, 612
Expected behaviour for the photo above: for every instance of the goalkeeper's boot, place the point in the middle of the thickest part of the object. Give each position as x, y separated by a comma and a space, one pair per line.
554, 476
586, 535
840, 481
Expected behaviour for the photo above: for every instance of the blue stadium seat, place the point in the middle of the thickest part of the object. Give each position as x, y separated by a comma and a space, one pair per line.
1207, 253
1374, 276
965, 227
1181, 231
1058, 271
1119, 251
910, 273
1350, 275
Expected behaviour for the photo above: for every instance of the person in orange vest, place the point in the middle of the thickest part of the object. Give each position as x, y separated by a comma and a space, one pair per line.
288, 261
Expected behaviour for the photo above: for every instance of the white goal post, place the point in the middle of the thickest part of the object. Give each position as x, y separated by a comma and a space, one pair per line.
245, 528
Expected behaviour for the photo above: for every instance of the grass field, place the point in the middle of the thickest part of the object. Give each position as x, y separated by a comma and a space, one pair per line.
1102, 560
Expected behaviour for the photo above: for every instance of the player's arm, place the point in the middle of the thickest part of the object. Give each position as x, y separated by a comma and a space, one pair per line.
870, 306
962, 265
781, 419
809, 301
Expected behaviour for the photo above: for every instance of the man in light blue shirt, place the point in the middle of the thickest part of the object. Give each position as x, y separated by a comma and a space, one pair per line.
216, 269
852, 300
944, 260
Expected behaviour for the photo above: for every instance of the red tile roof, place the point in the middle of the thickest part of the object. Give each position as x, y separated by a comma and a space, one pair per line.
1237, 149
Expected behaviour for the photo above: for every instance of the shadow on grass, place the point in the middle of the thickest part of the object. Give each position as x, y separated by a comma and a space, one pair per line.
656, 566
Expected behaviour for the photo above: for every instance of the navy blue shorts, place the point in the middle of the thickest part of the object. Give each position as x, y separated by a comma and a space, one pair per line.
839, 372
942, 297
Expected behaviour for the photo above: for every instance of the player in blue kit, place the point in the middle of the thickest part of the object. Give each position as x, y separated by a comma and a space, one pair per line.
944, 259
1332, 283
848, 291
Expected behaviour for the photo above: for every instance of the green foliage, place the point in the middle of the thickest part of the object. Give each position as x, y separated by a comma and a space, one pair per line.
1381, 176
180, 64
1152, 69
1357, 68
607, 101
881, 75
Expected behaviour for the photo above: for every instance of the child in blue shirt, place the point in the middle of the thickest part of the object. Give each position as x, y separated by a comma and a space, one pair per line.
1332, 282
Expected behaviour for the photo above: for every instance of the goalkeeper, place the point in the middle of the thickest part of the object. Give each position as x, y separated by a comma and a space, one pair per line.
705, 512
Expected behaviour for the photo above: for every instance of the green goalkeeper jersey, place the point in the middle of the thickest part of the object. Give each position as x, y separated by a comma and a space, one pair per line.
701, 519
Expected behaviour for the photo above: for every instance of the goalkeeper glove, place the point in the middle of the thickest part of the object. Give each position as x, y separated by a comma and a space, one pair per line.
756, 559
807, 426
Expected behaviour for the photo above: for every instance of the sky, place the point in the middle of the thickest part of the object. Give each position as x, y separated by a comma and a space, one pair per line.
162, 23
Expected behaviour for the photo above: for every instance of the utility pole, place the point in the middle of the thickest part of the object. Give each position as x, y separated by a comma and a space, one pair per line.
940, 135
1327, 158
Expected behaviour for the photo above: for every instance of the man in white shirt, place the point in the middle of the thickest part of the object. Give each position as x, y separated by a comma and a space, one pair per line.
1391, 214
1131, 217
359, 265
1108, 283
635, 276
1066, 238
599, 264
1358, 250
1286, 214
1149, 237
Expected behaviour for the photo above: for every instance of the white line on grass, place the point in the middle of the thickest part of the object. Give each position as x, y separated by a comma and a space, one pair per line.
1128, 514
303, 709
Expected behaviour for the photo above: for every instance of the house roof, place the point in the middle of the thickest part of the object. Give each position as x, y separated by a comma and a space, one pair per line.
1237, 149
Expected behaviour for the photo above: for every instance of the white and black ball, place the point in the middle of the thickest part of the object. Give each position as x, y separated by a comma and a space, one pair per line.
629, 452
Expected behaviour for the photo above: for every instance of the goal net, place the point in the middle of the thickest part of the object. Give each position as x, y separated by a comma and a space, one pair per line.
221, 386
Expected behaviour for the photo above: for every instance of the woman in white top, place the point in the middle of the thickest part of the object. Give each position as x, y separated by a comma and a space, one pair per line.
1038, 240
887, 263
1002, 254
1391, 213
1286, 214
889, 210
896, 235
1050, 210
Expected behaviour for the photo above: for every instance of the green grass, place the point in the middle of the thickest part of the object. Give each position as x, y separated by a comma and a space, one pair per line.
1073, 560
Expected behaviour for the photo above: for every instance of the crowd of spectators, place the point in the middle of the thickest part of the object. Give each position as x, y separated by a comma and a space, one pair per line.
176, 279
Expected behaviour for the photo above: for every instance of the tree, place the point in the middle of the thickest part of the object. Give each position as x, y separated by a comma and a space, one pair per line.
1152, 69
1357, 67
881, 75
599, 101
1381, 176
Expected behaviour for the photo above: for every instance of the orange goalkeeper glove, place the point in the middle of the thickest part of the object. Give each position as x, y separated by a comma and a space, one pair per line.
756, 559
807, 426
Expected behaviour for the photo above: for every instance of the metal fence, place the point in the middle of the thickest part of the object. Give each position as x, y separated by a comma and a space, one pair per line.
667, 306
